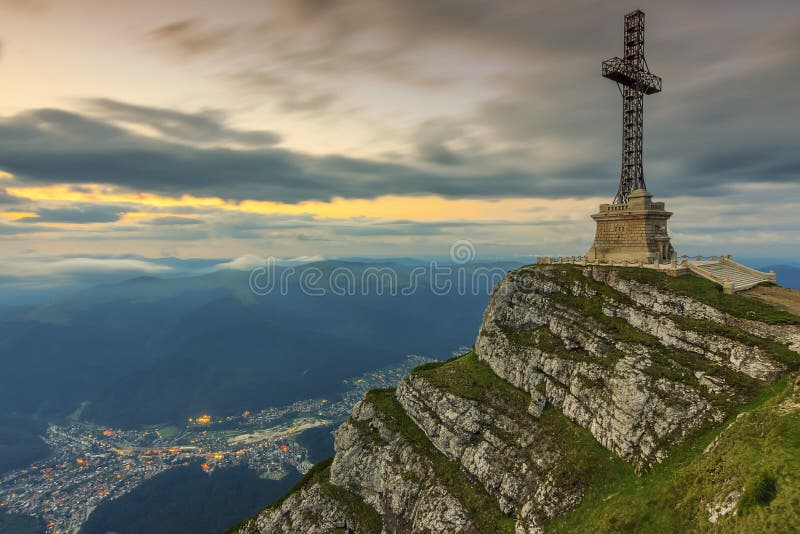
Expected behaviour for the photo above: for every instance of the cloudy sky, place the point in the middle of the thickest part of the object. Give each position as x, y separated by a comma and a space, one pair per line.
378, 127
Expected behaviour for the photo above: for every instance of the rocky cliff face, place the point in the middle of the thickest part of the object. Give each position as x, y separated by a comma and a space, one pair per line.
638, 367
577, 377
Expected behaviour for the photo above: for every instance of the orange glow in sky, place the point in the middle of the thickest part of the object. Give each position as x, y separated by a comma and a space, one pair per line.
390, 207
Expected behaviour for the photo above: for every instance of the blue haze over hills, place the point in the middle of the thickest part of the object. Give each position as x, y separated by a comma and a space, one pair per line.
157, 350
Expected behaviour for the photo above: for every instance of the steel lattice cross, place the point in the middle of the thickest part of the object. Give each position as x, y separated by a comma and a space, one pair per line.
634, 79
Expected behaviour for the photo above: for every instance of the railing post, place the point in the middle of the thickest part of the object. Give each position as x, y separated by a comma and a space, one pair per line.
727, 287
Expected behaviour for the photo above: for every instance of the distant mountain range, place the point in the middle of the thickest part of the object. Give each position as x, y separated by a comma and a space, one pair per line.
154, 350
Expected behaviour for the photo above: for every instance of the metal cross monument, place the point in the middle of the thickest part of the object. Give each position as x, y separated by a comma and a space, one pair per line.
634, 80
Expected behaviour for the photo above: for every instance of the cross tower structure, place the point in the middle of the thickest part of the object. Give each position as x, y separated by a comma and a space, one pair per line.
633, 227
634, 80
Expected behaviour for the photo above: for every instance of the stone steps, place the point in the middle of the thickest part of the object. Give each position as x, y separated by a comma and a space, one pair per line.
740, 277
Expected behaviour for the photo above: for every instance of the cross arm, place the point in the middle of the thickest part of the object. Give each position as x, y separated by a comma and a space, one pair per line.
628, 74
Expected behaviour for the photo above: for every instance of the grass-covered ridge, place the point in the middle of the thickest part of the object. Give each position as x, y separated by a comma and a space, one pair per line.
470, 378
710, 293
482, 507
688, 285
779, 351
584, 459
759, 452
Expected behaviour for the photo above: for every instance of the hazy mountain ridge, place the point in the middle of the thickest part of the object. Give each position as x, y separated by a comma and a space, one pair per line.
155, 350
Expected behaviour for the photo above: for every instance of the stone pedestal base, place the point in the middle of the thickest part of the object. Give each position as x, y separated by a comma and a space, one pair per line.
634, 231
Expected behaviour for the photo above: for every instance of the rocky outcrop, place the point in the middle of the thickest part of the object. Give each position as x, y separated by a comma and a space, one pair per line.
376, 461
315, 506
568, 365
655, 312
310, 510
534, 342
617, 361
502, 447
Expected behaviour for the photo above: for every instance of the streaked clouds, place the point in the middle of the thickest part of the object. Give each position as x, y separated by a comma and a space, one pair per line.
300, 127
80, 214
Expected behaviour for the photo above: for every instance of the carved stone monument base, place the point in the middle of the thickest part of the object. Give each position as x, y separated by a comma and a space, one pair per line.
632, 231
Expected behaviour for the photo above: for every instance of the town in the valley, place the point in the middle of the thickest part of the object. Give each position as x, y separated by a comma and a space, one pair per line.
90, 464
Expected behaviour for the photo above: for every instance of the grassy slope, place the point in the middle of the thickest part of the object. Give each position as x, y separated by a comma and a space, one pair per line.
695, 287
710, 293
763, 444
585, 460
760, 448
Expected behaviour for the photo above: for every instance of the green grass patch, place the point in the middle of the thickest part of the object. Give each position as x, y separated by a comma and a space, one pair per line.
584, 463
481, 505
673, 496
168, 431
779, 351
584, 459
543, 339
568, 275
621, 330
690, 285
470, 378
618, 328
427, 366
710, 293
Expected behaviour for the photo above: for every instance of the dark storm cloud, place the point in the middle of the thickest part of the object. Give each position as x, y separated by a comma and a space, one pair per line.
56, 146
249, 225
433, 138
82, 214
728, 113
297, 38
15, 229
203, 127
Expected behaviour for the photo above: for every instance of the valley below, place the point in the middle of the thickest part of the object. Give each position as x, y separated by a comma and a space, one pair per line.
91, 465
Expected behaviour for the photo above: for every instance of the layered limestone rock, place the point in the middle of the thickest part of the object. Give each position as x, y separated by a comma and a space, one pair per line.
500, 445
311, 510
380, 464
664, 302
612, 355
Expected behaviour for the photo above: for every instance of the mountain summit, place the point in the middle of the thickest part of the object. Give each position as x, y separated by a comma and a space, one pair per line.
594, 398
